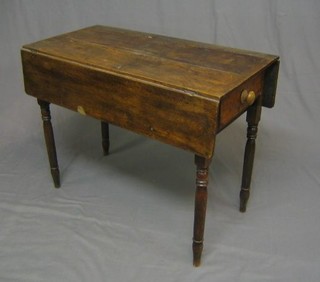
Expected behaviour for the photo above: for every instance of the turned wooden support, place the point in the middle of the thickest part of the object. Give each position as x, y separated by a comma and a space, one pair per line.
105, 137
200, 207
49, 139
253, 118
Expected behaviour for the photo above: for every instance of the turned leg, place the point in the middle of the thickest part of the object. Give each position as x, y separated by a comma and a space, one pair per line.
49, 138
200, 207
105, 137
253, 118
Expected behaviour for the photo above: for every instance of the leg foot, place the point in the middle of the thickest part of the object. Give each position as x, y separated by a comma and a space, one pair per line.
56, 177
244, 197
50, 144
253, 118
105, 138
197, 248
200, 207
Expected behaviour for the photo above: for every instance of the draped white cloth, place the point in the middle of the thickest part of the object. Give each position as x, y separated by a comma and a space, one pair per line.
129, 216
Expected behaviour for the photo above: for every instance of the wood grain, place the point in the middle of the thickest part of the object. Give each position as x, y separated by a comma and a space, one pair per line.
203, 68
253, 118
200, 208
174, 117
176, 91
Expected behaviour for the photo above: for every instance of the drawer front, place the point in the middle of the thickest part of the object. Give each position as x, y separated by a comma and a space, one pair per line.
234, 103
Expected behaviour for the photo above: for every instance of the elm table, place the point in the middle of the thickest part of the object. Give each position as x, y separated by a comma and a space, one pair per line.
176, 91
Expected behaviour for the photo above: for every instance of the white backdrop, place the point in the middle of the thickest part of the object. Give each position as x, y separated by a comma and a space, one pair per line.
129, 216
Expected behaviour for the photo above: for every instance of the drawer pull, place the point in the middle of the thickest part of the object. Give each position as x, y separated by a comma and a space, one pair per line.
248, 97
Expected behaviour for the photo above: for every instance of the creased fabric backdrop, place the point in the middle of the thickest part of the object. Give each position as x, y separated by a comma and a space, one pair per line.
129, 216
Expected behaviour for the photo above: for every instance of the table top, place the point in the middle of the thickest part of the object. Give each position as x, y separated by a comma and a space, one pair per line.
176, 91
204, 69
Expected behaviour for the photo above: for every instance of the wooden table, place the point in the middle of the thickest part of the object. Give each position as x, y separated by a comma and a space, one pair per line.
176, 91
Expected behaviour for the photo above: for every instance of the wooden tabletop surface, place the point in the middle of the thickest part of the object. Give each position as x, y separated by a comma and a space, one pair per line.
197, 68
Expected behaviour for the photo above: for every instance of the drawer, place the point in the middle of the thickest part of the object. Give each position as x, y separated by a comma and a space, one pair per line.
232, 105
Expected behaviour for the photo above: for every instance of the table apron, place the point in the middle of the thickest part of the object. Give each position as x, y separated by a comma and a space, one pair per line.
168, 115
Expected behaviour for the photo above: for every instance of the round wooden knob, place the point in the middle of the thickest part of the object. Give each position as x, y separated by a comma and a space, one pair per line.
248, 97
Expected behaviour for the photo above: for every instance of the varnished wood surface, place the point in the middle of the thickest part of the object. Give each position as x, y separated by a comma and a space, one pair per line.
177, 91
159, 113
198, 67
200, 207
50, 144
253, 118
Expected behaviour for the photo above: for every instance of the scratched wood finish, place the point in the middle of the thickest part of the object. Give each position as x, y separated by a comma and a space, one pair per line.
203, 68
253, 118
177, 91
231, 106
200, 207
174, 117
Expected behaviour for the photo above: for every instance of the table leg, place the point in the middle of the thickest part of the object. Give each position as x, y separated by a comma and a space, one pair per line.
253, 118
50, 144
105, 137
200, 207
